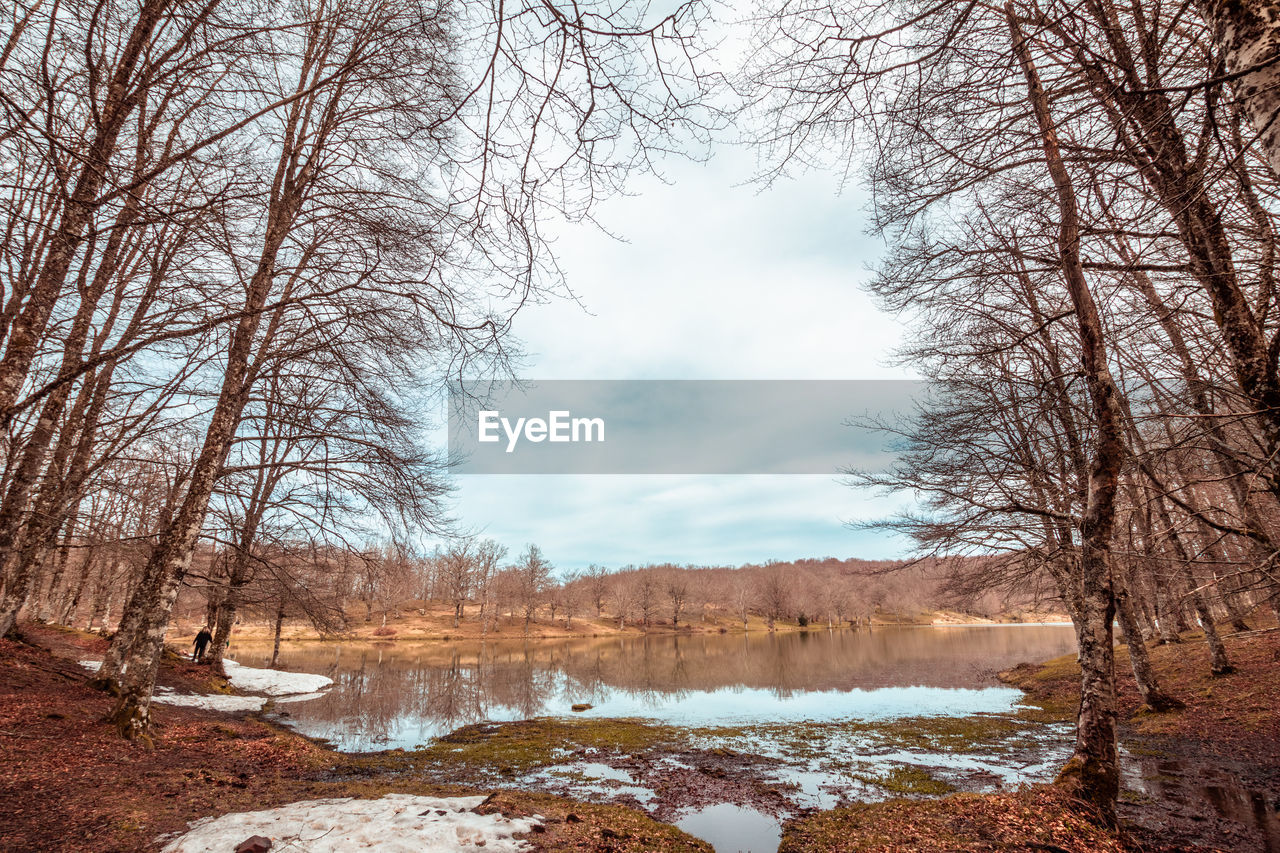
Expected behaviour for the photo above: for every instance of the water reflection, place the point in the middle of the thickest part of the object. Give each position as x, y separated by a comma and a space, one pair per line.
408, 693
1202, 790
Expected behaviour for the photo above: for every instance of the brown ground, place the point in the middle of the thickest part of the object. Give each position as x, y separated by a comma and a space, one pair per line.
70, 783
1035, 819
1229, 716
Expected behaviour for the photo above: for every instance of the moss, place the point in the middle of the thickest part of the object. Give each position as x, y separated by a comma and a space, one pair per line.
529, 744
907, 779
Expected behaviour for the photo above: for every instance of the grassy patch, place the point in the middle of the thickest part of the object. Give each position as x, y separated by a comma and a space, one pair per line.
512, 748
907, 779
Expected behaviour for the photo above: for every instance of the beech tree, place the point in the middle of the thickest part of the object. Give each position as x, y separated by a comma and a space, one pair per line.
351, 197
1152, 238
530, 579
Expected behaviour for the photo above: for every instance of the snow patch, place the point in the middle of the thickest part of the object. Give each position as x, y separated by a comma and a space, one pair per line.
393, 823
273, 682
208, 701
288, 686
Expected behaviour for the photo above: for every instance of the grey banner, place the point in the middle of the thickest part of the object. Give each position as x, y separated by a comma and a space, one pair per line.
675, 426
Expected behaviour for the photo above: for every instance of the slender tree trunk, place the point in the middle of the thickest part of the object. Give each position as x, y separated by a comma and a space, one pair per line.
172, 555
1219, 663
1093, 772
17, 497
60, 555
1148, 685
71, 601
275, 648
1166, 616
120, 101
226, 620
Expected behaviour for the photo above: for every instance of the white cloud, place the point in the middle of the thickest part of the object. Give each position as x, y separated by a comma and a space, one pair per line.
717, 280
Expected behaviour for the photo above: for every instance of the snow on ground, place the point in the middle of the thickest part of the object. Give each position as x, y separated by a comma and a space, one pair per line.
393, 823
285, 686
273, 682
208, 701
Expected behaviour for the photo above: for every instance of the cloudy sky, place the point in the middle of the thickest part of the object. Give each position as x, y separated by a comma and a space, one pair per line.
717, 279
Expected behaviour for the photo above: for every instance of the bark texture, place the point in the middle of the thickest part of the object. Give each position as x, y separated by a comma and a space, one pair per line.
1248, 34
1093, 772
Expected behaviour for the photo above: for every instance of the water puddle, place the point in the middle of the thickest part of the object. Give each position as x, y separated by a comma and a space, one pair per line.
593, 780
733, 829
1205, 803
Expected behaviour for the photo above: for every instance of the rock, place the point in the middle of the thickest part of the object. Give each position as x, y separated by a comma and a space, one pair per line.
572, 818
582, 706
254, 844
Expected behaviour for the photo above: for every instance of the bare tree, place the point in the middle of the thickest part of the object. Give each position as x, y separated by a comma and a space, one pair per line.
531, 576
457, 567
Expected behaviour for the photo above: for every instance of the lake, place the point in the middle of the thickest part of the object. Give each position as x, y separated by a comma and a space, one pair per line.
403, 695
776, 723
767, 726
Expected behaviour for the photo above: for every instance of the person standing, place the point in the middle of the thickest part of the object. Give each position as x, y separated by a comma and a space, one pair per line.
202, 642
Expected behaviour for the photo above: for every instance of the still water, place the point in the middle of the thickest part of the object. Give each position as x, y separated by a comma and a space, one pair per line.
406, 694
806, 718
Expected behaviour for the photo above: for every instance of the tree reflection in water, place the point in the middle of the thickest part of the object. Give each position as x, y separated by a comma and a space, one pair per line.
405, 694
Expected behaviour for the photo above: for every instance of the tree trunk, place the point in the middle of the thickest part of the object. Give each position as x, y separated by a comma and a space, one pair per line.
1093, 772
17, 497
1166, 616
1248, 34
118, 104
1219, 663
1148, 685
222, 627
71, 600
275, 648
171, 557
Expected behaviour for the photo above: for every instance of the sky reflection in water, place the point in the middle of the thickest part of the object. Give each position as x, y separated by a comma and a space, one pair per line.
403, 695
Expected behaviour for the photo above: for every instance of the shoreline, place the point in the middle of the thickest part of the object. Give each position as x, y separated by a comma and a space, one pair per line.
418, 628
208, 763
